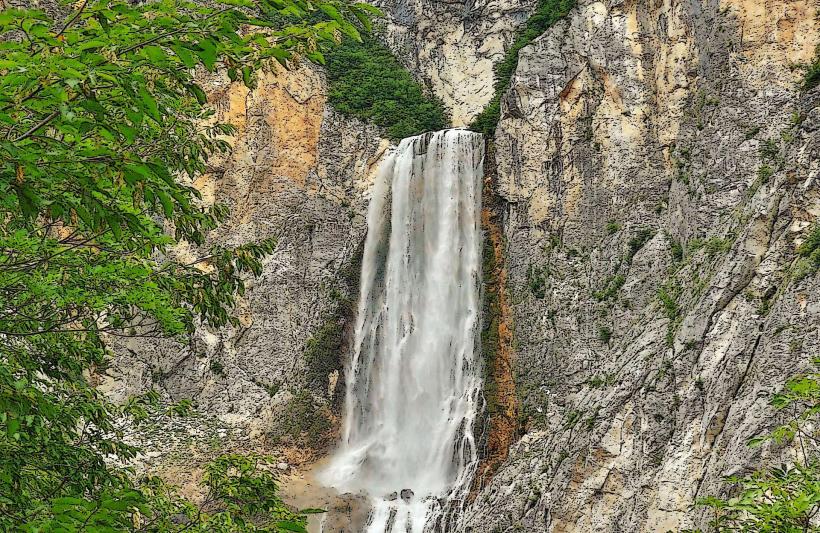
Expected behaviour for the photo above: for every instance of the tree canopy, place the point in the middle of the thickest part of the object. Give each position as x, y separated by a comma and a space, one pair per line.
102, 128
366, 81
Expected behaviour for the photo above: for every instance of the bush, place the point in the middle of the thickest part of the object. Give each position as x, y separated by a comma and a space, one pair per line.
367, 82
217, 368
787, 498
637, 241
810, 248
323, 352
812, 76
712, 246
612, 227
670, 305
676, 249
611, 288
669, 299
546, 14
302, 422
537, 281
764, 173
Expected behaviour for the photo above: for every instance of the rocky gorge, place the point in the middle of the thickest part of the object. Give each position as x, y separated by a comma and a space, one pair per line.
647, 188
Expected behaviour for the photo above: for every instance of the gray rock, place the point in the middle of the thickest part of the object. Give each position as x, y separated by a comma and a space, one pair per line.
634, 116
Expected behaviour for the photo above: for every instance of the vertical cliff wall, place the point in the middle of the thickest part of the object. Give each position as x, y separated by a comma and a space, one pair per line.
301, 173
659, 165
453, 46
656, 168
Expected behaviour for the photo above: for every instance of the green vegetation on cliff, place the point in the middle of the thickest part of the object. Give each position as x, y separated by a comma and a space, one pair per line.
546, 14
367, 82
101, 120
812, 76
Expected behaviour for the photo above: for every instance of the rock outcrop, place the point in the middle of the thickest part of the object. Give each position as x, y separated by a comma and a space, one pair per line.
453, 46
301, 173
659, 165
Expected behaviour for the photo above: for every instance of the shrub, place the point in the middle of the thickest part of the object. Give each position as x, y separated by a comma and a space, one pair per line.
750, 133
668, 297
217, 368
712, 246
676, 249
809, 256
780, 499
670, 306
602, 381
323, 351
612, 227
769, 150
637, 242
537, 281
605, 334
811, 246
715, 246
764, 173
812, 76
611, 288
366, 81
301, 422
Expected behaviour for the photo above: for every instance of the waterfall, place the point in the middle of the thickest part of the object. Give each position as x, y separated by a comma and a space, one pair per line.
413, 382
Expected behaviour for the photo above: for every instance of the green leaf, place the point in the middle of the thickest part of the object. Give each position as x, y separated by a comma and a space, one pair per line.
167, 205
12, 427
198, 93
150, 104
247, 77
207, 53
331, 11
291, 526
184, 55
92, 44
155, 54
114, 224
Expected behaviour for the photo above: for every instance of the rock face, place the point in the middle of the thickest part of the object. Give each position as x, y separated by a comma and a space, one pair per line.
301, 173
452, 46
656, 168
659, 167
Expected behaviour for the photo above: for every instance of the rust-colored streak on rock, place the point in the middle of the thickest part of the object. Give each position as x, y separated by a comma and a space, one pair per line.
502, 426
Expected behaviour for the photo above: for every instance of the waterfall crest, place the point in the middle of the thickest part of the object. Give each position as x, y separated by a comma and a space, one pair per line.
413, 382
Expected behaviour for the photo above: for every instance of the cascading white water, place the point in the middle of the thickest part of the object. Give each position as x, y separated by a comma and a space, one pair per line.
413, 383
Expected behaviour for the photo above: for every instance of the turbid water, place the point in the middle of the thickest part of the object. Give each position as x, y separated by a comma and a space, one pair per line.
413, 383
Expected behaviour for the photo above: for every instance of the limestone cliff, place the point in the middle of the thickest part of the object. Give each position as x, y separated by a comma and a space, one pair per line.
300, 173
659, 166
452, 46
655, 168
